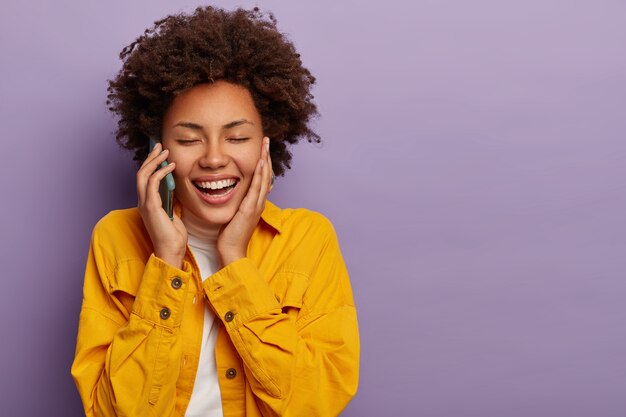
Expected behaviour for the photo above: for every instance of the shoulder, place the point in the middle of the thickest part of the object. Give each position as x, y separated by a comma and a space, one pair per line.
301, 222
311, 261
122, 232
307, 219
117, 221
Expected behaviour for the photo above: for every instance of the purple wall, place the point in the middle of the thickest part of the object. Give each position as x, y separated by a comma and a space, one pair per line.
473, 164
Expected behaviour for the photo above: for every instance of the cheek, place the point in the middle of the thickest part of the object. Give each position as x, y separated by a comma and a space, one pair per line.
182, 170
182, 160
248, 161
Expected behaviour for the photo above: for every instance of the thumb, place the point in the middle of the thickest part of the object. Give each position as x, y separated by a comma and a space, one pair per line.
179, 225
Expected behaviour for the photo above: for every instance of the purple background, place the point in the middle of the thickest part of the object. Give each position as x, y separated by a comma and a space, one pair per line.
473, 165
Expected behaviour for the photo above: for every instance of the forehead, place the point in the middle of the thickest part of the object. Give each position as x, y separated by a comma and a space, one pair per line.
212, 104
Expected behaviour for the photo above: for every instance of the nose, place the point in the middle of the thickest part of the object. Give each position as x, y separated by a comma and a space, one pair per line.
214, 156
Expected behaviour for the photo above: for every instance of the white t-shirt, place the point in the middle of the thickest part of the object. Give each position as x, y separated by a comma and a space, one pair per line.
206, 399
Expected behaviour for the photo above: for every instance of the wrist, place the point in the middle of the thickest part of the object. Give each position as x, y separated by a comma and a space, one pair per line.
228, 258
175, 260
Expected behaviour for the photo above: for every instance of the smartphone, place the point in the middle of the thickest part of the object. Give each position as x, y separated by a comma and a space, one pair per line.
166, 187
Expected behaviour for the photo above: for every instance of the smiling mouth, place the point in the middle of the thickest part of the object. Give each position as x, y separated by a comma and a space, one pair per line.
216, 188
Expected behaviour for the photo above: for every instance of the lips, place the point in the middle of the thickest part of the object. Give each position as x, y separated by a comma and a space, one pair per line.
216, 187
216, 191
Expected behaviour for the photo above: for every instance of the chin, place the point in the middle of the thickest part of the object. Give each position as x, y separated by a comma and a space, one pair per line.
217, 221
216, 217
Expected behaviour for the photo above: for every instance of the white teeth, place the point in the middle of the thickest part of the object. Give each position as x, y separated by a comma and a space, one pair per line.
216, 185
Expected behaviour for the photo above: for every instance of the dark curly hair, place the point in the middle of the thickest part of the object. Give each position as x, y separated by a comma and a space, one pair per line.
242, 47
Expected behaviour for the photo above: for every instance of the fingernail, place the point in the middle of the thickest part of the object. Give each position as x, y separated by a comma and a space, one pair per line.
262, 162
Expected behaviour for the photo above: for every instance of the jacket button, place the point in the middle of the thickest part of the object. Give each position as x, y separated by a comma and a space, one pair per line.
177, 283
231, 373
229, 316
165, 313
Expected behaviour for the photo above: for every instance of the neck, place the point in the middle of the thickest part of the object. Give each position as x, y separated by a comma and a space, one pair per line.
198, 228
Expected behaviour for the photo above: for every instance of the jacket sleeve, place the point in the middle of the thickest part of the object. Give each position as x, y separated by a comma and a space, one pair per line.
128, 346
303, 364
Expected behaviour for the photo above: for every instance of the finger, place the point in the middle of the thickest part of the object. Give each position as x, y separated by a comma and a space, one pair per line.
146, 170
266, 152
269, 161
266, 176
155, 179
250, 201
153, 198
151, 163
158, 148
271, 167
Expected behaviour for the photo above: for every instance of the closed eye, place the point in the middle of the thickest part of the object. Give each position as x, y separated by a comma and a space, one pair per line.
187, 141
237, 139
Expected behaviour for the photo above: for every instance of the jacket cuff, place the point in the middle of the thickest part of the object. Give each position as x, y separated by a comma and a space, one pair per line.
162, 292
238, 292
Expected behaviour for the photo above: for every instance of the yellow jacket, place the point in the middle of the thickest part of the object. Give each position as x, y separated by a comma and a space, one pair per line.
288, 342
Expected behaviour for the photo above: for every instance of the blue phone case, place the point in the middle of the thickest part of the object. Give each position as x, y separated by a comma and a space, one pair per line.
166, 187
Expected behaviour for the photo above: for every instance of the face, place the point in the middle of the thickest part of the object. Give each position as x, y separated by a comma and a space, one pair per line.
214, 135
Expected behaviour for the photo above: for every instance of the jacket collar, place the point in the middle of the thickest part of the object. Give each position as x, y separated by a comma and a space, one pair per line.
272, 215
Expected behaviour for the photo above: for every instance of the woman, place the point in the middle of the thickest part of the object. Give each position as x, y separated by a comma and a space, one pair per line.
235, 307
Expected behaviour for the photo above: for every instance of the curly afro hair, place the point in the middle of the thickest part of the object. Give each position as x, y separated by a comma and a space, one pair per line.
242, 47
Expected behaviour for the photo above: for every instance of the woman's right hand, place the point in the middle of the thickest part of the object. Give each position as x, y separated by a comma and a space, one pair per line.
169, 237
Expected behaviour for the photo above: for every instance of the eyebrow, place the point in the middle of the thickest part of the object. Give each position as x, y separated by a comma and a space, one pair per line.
236, 123
230, 125
189, 125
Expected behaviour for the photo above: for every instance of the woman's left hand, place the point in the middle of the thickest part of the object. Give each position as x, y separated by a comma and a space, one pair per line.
232, 242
